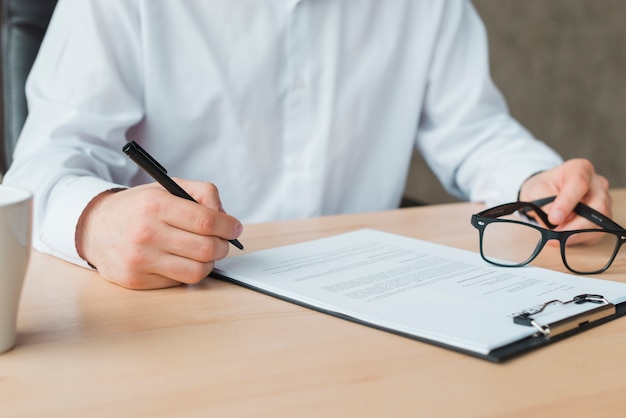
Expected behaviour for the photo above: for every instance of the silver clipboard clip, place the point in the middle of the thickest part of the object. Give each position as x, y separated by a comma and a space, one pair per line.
605, 309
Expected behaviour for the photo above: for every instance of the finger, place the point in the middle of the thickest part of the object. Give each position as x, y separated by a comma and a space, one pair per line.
152, 268
166, 251
599, 197
181, 269
204, 193
195, 218
135, 270
200, 248
575, 187
575, 223
188, 215
148, 282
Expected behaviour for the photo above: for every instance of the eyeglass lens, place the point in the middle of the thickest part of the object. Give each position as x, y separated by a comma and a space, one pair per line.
589, 258
515, 243
509, 243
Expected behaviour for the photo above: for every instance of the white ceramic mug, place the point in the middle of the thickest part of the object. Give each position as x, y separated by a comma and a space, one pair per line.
15, 240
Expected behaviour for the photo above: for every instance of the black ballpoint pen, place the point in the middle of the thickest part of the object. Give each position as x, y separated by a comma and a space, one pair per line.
159, 173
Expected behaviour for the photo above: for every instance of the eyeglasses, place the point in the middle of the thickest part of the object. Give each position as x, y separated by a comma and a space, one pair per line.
510, 242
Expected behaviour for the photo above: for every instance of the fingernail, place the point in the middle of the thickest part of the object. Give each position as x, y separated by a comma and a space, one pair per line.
239, 230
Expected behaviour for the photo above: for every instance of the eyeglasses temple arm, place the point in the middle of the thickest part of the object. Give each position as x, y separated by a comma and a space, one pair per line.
596, 217
586, 212
522, 207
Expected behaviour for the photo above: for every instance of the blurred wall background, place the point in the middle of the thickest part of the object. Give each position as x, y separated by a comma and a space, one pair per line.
561, 64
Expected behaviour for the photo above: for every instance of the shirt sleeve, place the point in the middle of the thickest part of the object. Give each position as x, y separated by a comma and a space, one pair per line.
84, 93
466, 134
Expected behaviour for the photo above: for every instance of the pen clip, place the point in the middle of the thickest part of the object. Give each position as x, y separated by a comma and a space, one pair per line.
133, 147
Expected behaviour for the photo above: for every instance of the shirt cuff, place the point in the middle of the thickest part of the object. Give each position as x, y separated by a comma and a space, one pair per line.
495, 190
66, 204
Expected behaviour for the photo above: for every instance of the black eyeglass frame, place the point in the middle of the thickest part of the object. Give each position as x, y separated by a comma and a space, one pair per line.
482, 219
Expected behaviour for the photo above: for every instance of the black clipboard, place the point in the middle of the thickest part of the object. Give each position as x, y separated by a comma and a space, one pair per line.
547, 333
552, 332
364, 259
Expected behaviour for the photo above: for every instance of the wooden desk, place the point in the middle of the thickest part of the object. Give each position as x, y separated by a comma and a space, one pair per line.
89, 348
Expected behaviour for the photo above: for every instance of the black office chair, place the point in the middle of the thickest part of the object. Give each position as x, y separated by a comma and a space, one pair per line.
24, 23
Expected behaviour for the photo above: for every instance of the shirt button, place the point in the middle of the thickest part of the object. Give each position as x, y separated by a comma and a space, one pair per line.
300, 83
297, 163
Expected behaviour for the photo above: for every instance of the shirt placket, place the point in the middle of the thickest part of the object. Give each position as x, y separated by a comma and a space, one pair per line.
299, 186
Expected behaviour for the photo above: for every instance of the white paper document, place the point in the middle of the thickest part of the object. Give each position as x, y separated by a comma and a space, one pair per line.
413, 287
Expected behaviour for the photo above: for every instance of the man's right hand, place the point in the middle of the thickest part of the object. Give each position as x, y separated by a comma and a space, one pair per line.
146, 238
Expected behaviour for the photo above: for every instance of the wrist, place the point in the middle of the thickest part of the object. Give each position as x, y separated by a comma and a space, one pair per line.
519, 192
82, 226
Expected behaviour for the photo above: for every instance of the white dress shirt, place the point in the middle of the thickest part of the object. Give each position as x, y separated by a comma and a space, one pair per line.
292, 108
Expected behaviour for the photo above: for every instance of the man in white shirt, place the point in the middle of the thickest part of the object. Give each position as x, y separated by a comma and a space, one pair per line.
291, 108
